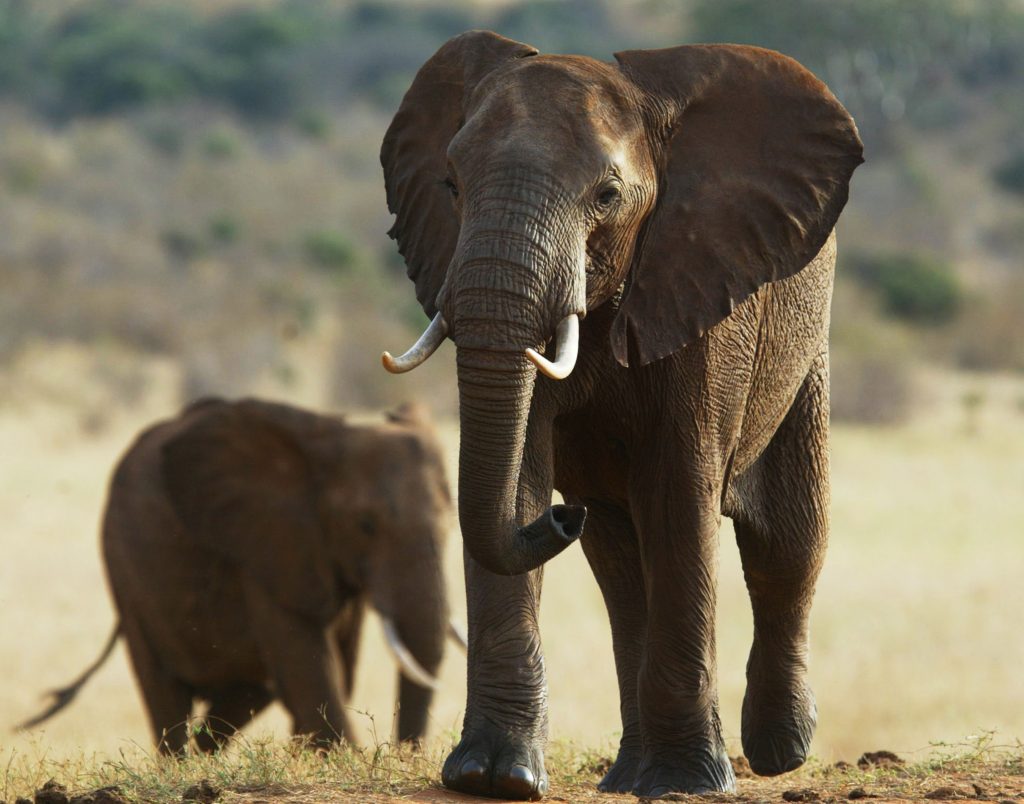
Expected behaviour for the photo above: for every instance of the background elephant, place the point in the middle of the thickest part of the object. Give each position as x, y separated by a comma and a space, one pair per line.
670, 215
243, 541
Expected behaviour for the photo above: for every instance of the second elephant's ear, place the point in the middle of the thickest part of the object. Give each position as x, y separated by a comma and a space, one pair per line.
242, 483
414, 153
757, 161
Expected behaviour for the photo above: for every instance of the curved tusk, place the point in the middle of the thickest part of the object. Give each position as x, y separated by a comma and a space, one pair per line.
410, 667
567, 344
432, 337
458, 635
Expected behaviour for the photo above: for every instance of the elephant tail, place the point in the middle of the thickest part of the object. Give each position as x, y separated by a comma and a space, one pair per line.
65, 695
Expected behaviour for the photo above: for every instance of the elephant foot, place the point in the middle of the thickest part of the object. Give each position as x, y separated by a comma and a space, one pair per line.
698, 773
777, 730
490, 763
622, 774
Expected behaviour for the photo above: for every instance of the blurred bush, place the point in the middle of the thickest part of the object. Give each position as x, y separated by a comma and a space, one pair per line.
1010, 174
201, 181
913, 287
329, 250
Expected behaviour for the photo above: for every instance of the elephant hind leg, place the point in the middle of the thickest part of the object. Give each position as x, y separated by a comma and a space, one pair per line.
782, 530
168, 700
611, 546
302, 660
231, 708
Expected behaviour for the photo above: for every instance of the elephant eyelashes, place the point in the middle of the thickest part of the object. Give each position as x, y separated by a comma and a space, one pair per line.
453, 188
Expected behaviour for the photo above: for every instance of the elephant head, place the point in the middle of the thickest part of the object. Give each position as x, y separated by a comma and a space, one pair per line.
319, 512
530, 190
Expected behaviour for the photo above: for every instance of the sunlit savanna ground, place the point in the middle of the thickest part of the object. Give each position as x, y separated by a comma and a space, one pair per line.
916, 633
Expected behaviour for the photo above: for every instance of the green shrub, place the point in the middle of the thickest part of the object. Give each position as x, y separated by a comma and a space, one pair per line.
220, 144
1009, 175
913, 287
314, 123
330, 250
224, 228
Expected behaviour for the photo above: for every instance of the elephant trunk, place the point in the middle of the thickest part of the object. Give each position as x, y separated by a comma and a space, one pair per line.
495, 499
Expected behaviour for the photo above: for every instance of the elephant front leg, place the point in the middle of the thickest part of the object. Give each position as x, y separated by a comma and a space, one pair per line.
504, 731
683, 750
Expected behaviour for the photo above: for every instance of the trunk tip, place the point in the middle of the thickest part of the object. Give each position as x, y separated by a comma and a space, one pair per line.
568, 520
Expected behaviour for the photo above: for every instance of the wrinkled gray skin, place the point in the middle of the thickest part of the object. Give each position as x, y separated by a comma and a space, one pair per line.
243, 542
683, 201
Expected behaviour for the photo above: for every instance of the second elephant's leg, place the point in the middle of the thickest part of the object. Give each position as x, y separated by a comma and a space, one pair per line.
504, 730
782, 530
302, 660
610, 544
168, 700
231, 708
683, 749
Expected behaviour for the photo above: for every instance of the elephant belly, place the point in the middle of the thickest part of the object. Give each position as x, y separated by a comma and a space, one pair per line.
590, 458
193, 614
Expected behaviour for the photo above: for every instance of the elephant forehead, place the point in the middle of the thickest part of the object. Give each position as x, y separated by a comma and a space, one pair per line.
549, 105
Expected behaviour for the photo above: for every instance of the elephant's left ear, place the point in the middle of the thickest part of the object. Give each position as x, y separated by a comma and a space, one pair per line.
757, 161
414, 153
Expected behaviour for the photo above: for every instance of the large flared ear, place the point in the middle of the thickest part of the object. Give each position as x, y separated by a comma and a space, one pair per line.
757, 160
240, 477
414, 153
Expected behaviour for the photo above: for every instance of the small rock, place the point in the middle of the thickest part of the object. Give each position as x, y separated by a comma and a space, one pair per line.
203, 792
843, 765
601, 767
944, 794
52, 793
858, 793
22, 801
879, 759
802, 794
102, 795
741, 767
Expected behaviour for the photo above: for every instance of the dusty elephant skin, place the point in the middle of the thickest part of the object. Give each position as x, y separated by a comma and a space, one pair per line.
681, 203
243, 542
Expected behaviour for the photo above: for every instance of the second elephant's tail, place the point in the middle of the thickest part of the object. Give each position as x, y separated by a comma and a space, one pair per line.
65, 695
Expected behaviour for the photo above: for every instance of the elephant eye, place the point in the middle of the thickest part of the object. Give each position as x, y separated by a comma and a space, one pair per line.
452, 187
608, 197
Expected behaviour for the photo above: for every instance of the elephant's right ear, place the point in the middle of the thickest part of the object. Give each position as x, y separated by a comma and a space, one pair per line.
414, 153
242, 484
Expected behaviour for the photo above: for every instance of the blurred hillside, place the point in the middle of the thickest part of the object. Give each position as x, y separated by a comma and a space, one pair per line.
199, 183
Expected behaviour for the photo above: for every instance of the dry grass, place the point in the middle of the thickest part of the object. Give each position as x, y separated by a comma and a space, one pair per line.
262, 770
915, 636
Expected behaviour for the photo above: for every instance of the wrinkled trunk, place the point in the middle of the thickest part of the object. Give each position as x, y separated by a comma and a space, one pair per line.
511, 283
499, 492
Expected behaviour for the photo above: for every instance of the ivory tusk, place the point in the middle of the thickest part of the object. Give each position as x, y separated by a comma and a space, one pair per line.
410, 667
432, 337
567, 344
458, 635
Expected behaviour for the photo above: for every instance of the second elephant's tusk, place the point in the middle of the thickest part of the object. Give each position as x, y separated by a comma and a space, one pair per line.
458, 635
432, 337
412, 669
567, 344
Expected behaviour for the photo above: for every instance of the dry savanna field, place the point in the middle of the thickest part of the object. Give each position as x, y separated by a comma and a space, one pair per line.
915, 639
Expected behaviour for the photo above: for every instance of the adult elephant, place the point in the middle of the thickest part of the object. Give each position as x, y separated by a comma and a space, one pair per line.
243, 542
670, 217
